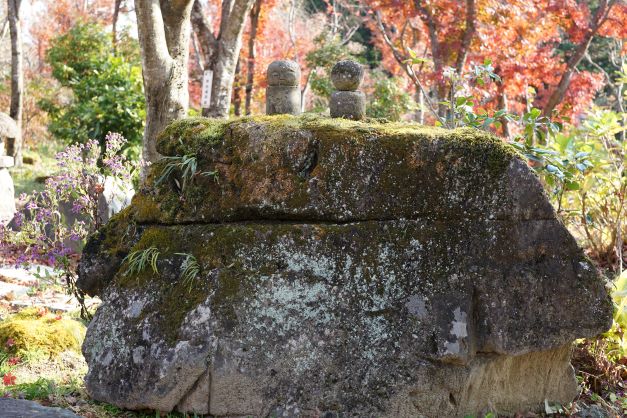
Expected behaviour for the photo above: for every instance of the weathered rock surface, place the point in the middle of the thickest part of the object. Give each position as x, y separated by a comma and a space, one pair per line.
19, 408
357, 269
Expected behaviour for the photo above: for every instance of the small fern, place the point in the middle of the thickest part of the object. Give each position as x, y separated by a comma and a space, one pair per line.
140, 259
191, 269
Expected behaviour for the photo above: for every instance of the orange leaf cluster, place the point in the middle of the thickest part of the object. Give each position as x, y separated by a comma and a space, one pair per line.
521, 37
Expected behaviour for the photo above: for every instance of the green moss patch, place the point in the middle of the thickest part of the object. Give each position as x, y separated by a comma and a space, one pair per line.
185, 136
369, 169
32, 331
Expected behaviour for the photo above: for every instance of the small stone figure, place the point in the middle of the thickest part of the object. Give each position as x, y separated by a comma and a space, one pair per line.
347, 102
283, 91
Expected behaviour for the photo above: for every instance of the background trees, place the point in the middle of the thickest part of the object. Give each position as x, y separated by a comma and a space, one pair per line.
537, 46
557, 56
103, 92
220, 51
163, 29
17, 73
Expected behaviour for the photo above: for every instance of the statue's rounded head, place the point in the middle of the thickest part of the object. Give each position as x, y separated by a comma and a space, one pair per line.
283, 73
346, 75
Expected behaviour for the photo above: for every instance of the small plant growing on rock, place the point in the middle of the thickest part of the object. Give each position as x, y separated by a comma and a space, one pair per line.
186, 165
140, 259
191, 269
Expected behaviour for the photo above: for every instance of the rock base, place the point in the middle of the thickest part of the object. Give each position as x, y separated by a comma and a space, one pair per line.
490, 383
19, 408
283, 100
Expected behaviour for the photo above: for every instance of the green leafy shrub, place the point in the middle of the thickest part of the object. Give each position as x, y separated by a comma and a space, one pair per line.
388, 100
593, 206
583, 169
105, 91
616, 335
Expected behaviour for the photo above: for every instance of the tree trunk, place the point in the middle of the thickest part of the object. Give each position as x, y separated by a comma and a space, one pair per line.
221, 52
252, 53
114, 24
17, 74
469, 33
164, 29
436, 52
237, 90
560, 90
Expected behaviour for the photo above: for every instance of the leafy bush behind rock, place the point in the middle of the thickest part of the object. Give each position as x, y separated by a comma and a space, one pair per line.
106, 90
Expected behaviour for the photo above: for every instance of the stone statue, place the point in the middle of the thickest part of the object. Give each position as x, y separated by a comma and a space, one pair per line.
347, 102
8, 133
283, 91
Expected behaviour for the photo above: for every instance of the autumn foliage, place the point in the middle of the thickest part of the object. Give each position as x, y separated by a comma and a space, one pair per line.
537, 46
524, 38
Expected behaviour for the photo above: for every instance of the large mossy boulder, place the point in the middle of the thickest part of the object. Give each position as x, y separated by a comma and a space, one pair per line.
340, 269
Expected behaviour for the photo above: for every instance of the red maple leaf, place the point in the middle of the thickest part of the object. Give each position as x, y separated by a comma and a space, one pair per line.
8, 379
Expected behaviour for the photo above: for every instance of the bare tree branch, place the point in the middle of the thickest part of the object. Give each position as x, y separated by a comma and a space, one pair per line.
204, 34
402, 61
599, 18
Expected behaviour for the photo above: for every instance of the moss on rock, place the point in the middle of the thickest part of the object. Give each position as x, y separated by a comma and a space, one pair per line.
186, 136
316, 168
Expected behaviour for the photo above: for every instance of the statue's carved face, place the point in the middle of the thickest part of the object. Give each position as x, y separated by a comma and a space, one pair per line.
283, 73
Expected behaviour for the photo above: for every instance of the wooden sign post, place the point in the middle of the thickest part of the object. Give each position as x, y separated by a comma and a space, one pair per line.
205, 100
